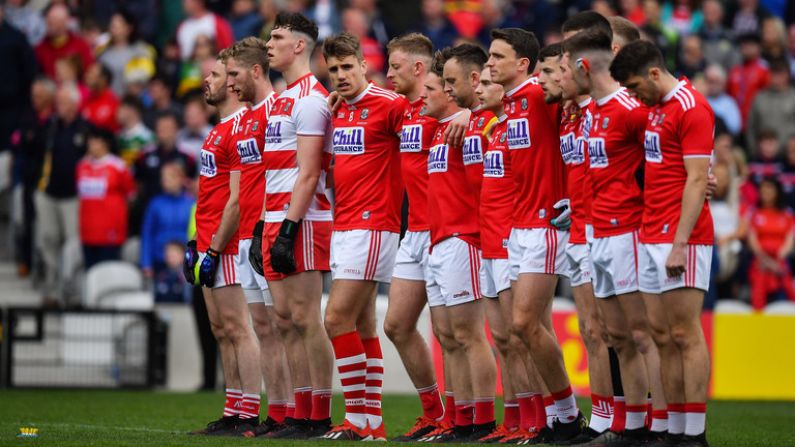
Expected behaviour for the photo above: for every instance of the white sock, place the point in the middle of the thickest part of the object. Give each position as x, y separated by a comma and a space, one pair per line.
635, 420
659, 425
551, 414
676, 422
695, 423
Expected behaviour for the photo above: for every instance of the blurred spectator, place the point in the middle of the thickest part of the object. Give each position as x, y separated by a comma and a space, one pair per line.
725, 206
606, 8
691, 57
267, 13
766, 159
787, 177
774, 107
26, 19
160, 101
748, 17
104, 186
68, 71
747, 78
323, 12
771, 239
168, 64
166, 219
201, 22
191, 137
435, 24
124, 49
60, 41
378, 28
28, 143
467, 19
169, 282
134, 137
718, 44
92, 34
774, 39
355, 22
56, 200
190, 72
682, 16
632, 10
791, 48
496, 14
245, 19
14, 81
101, 106
658, 33
724, 106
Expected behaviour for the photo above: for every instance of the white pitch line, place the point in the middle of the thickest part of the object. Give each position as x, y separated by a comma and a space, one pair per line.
106, 427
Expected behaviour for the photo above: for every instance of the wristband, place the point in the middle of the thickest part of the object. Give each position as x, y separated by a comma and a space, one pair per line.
289, 229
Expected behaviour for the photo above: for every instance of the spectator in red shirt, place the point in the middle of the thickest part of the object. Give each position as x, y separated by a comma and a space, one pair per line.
771, 240
104, 185
60, 42
355, 22
750, 76
101, 105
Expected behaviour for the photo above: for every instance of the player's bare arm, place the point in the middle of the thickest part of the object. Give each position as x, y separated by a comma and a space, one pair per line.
692, 202
454, 134
309, 157
230, 219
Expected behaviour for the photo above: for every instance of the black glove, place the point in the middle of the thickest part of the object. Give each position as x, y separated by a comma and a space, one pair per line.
189, 264
282, 253
255, 252
209, 268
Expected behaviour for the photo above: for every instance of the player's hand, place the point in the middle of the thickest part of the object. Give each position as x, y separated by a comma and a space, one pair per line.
334, 101
209, 268
255, 253
189, 263
563, 221
712, 186
454, 134
677, 259
282, 250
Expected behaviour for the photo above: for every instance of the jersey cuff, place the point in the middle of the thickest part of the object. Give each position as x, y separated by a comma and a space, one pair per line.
308, 134
697, 156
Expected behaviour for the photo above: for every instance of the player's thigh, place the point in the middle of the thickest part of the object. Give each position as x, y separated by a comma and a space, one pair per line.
212, 308
506, 305
441, 324
281, 302
232, 305
656, 315
303, 290
467, 319
634, 308
407, 299
683, 306
532, 297
366, 323
498, 326
615, 322
585, 302
349, 298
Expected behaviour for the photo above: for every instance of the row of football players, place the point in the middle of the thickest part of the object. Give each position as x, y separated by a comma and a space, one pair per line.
443, 181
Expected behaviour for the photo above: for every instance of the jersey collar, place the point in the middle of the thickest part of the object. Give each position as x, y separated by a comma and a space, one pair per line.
447, 119
606, 99
510, 93
232, 115
298, 81
668, 96
584, 103
263, 102
502, 118
360, 96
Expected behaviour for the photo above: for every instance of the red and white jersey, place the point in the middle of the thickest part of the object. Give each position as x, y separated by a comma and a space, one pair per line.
368, 189
452, 200
614, 157
300, 110
680, 127
250, 143
415, 142
218, 159
534, 145
475, 144
573, 150
103, 187
497, 195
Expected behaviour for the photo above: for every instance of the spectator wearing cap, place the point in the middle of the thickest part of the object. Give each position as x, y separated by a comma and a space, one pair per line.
26, 19
102, 104
774, 107
123, 48
134, 137
201, 22
104, 186
724, 105
60, 41
719, 47
749, 77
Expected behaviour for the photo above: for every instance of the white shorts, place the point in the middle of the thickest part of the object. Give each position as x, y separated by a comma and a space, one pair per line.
364, 255
455, 269
615, 264
580, 269
651, 268
411, 263
254, 285
227, 274
495, 276
537, 250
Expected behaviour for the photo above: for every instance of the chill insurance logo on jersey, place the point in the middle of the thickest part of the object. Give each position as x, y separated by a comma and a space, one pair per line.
248, 151
437, 159
411, 138
273, 133
493, 164
651, 143
473, 152
208, 166
568, 148
518, 134
348, 140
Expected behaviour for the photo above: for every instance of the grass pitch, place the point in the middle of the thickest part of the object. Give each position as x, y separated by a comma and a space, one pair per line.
139, 419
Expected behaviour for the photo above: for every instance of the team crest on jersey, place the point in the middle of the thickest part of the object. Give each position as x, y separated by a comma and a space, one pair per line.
248, 151
596, 153
493, 164
503, 137
341, 115
437, 159
473, 152
605, 122
651, 143
217, 141
524, 103
365, 113
411, 138
287, 107
422, 111
481, 121
255, 126
348, 141
568, 147
208, 166
273, 133
518, 134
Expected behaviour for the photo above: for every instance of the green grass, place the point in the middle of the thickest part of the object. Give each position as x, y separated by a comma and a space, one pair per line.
142, 419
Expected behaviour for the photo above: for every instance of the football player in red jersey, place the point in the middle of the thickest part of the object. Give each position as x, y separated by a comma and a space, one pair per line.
536, 247
366, 231
247, 76
675, 252
614, 158
215, 251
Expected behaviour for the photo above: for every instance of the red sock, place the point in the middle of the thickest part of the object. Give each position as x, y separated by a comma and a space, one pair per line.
321, 405
303, 402
374, 381
527, 410
232, 404
352, 365
464, 413
619, 414
511, 414
249, 407
649, 410
541, 412
449, 408
290, 413
659, 421
277, 410
431, 400
484, 410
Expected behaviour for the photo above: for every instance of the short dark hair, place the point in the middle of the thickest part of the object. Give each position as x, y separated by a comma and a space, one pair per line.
467, 54
107, 75
437, 66
589, 40
133, 102
625, 29
342, 45
524, 43
551, 50
780, 202
168, 115
297, 22
107, 137
635, 59
778, 65
586, 20
750, 37
767, 134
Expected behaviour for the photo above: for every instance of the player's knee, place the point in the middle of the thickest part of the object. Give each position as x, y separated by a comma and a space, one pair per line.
524, 328
502, 339
642, 339
619, 339
263, 328
396, 331
592, 337
446, 339
683, 335
336, 324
